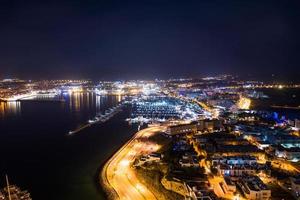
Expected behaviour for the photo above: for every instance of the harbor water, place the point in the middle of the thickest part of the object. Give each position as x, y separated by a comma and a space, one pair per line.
38, 154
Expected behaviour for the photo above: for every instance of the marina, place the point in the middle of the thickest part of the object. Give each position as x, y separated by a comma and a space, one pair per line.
162, 108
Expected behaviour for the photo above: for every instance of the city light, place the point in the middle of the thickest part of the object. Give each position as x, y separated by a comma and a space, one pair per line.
210, 131
150, 100
244, 103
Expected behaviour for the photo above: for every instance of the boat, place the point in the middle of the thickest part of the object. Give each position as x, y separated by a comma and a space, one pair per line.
71, 132
91, 121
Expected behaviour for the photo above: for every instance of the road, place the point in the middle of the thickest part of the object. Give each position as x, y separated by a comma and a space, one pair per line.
119, 174
285, 165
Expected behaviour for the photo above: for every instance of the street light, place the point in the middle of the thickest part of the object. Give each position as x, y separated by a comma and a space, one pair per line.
236, 197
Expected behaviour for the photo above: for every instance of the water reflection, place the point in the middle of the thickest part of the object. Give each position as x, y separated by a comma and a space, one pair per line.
79, 101
119, 98
40, 134
76, 102
98, 103
10, 108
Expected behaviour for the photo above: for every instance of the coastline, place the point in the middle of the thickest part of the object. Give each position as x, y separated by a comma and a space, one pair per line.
111, 170
108, 190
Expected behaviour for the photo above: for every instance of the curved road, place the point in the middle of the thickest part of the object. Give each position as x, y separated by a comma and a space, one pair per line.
119, 174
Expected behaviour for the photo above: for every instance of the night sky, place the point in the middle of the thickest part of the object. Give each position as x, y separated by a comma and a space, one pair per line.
149, 39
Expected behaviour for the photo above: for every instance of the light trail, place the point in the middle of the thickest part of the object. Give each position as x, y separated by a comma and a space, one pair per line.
120, 176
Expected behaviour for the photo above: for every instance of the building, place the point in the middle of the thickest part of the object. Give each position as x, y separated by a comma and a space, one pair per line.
234, 160
182, 128
208, 125
285, 139
189, 160
153, 157
235, 165
295, 184
288, 151
236, 170
229, 185
201, 125
297, 123
253, 188
291, 122
263, 144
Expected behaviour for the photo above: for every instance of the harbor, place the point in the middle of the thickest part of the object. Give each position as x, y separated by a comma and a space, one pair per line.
162, 108
73, 171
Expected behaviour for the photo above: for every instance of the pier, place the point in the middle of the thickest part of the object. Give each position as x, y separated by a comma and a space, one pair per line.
99, 118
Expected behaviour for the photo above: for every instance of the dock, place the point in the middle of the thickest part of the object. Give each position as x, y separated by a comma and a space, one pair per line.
99, 118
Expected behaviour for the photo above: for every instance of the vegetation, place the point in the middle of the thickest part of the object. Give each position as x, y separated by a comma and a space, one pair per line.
278, 193
151, 177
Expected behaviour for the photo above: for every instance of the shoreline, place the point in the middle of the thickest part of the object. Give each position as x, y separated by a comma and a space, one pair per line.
104, 175
109, 191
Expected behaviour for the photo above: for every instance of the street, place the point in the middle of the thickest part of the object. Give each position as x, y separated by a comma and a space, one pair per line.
119, 172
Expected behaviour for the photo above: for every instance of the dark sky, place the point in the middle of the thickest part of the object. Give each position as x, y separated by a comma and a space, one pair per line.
148, 39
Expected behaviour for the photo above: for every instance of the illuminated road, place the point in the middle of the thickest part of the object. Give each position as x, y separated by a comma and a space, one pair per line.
285, 165
118, 171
